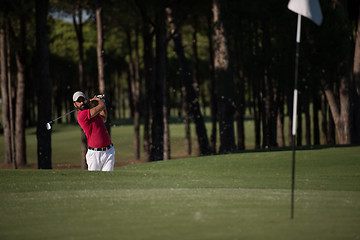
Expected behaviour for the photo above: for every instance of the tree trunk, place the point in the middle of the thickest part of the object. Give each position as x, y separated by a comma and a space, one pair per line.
267, 113
100, 60
134, 77
340, 113
44, 85
257, 107
129, 79
100, 47
11, 92
187, 124
80, 38
224, 79
340, 109
324, 124
307, 122
157, 148
149, 78
136, 96
239, 116
356, 73
196, 77
316, 107
121, 101
239, 84
345, 125
77, 12
331, 129
280, 121
166, 118
256, 87
269, 94
191, 97
5, 94
20, 98
213, 97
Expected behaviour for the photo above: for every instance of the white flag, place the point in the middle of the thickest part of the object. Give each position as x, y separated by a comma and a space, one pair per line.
307, 8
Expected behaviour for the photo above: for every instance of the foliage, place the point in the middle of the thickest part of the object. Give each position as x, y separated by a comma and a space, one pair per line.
323, 57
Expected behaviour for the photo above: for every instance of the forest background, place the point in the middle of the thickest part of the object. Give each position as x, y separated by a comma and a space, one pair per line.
221, 60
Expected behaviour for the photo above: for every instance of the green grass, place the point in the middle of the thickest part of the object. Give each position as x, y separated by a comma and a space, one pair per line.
235, 196
66, 144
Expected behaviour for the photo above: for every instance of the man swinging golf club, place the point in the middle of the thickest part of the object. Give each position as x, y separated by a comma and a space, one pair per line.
101, 153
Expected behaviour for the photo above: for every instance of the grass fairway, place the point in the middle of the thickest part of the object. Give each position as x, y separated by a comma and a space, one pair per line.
66, 144
237, 196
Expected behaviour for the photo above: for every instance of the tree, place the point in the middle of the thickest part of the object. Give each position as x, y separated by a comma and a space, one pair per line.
256, 86
20, 53
269, 107
340, 113
16, 31
224, 79
134, 73
157, 129
78, 25
44, 85
100, 52
213, 97
196, 75
6, 103
149, 75
100, 46
324, 123
239, 82
340, 109
356, 73
191, 98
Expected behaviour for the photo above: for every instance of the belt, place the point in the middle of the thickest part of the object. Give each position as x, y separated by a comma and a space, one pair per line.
101, 149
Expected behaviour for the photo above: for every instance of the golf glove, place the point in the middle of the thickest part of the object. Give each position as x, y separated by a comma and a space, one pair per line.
101, 96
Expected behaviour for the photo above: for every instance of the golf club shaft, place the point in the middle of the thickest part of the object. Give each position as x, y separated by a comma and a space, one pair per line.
62, 116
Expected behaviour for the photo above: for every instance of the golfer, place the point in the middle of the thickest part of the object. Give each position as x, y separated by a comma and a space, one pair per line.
101, 153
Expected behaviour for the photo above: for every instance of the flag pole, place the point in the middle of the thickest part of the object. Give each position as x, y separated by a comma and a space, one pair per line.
295, 101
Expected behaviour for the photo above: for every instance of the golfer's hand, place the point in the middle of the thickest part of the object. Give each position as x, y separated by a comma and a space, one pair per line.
103, 113
100, 108
100, 96
97, 99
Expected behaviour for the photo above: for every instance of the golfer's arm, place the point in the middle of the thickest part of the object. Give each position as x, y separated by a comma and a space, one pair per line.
100, 109
103, 114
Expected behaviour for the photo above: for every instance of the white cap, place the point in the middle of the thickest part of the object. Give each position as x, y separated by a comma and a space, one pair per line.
77, 95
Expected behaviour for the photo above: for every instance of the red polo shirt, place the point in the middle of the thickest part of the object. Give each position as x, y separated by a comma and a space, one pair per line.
94, 128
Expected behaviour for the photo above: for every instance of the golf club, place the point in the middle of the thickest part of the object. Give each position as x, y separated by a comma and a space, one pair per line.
48, 125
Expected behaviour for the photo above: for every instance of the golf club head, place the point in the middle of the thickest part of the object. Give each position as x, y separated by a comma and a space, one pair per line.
48, 126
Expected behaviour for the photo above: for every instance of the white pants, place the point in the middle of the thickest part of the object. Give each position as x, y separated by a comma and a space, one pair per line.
101, 160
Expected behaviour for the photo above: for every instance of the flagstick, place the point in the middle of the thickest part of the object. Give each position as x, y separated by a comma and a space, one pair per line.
295, 112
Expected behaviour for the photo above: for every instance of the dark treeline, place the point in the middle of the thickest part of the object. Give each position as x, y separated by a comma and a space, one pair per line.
157, 58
